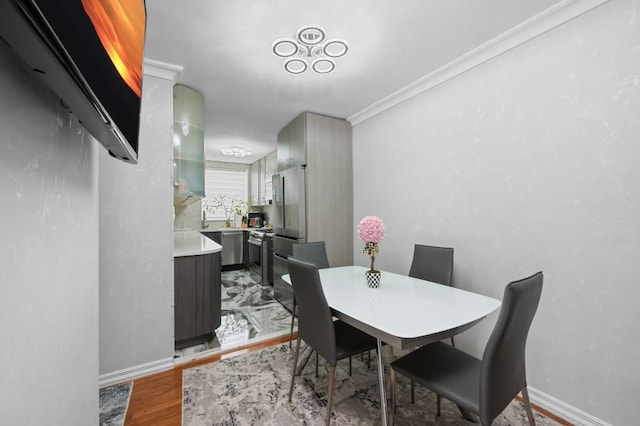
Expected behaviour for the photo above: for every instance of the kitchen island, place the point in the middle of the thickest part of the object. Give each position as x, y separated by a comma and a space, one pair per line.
197, 291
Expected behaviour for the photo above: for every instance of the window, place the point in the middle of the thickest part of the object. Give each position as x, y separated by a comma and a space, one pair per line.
231, 183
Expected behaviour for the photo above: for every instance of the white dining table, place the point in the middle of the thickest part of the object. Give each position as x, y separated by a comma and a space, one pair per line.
403, 312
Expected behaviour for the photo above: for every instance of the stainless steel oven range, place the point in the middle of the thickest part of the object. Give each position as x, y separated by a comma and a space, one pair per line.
258, 257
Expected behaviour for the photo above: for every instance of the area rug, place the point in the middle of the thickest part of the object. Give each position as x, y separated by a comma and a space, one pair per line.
114, 401
253, 389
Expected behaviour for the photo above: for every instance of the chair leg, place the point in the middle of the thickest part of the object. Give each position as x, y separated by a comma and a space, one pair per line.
317, 358
332, 379
295, 365
305, 353
452, 342
438, 400
350, 367
293, 316
392, 377
527, 406
413, 394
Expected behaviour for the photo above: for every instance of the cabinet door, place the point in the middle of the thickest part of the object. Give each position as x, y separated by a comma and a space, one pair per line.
255, 174
291, 144
184, 296
245, 249
188, 151
197, 297
203, 303
270, 169
215, 236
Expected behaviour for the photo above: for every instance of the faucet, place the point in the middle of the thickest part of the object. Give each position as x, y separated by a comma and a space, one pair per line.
204, 219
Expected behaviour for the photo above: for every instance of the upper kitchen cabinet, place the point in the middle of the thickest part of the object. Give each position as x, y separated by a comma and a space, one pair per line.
188, 146
257, 181
291, 144
261, 173
270, 169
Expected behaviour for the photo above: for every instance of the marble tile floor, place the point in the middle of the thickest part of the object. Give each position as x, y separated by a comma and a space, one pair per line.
250, 314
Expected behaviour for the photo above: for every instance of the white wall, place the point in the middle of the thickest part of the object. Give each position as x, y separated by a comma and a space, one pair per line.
136, 246
48, 257
530, 162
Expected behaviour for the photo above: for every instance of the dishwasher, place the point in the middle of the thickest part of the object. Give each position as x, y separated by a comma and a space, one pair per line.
231, 242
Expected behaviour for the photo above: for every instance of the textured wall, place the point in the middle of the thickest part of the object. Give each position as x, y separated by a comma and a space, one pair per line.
136, 243
48, 257
530, 162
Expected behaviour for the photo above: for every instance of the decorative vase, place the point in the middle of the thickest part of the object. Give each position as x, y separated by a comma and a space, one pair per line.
373, 278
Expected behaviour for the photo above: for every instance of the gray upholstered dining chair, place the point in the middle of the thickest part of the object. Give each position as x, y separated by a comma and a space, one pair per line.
333, 340
432, 263
314, 252
435, 264
484, 387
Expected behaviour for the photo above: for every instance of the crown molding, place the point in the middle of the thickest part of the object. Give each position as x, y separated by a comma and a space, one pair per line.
162, 70
549, 19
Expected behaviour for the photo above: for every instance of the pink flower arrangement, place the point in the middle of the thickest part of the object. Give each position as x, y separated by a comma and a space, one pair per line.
371, 231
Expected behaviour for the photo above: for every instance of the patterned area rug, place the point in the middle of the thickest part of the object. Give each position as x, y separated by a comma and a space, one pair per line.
114, 401
253, 389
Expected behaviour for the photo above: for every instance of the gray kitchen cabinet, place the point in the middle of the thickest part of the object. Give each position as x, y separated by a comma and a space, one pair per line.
245, 249
268, 246
270, 169
215, 236
323, 144
197, 298
261, 173
256, 172
292, 144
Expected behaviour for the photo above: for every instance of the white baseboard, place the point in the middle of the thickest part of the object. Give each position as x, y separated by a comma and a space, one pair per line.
563, 410
135, 372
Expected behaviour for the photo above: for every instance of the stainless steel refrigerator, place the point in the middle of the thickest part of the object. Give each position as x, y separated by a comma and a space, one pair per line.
289, 226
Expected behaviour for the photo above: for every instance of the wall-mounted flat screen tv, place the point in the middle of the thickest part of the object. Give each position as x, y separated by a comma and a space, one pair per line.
91, 54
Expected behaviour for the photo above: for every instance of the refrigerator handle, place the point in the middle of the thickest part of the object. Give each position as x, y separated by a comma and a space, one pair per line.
283, 211
278, 199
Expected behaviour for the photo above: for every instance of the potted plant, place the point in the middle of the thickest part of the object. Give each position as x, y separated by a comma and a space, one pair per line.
230, 207
371, 231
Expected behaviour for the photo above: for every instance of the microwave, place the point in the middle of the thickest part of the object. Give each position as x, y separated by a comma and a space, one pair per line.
256, 219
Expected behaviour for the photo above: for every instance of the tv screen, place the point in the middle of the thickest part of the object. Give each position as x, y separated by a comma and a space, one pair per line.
91, 53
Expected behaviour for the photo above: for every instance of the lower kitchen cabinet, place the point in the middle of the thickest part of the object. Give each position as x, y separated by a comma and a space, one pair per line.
215, 236
268, 246
197, 298
245, 250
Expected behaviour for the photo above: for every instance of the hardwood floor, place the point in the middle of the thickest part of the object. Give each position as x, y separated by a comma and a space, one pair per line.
157, 399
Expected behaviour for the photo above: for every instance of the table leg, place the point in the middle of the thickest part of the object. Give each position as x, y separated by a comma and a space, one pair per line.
383, 393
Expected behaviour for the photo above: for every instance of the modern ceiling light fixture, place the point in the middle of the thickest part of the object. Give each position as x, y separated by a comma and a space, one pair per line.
310, 47
235, 150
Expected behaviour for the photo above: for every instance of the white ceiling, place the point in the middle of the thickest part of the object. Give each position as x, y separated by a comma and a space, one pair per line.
225, 47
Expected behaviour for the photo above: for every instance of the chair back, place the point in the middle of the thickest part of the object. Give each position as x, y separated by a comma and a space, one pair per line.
314, 252
502, 374
432, 263
315, 322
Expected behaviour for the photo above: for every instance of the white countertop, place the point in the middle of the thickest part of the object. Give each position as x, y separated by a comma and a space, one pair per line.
193, 243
